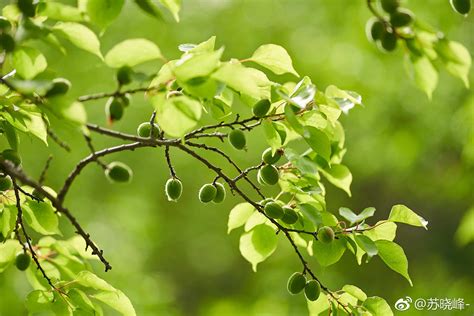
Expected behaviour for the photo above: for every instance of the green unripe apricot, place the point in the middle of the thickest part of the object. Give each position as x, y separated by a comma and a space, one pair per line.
124, 75
144, 130
7, 42
401, 17
237, 139
60, 86
270, 159
5, 183
173, 189
114, 109
5, 25
273, 210
296, 283
268, 174
461, 6
12, 156
389, 41
22, 261
118, 172
326, 234
27, 7
260, 109
390, 6
312, 290
220, 193
375, 29
289, 215
266, 201
207, 193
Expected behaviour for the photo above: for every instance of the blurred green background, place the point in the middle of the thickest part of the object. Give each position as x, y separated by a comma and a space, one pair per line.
177, 259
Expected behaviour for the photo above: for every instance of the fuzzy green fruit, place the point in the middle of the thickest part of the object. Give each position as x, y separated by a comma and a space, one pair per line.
289, 215
22, 261
269, 174
461, 6
296, 283
207, 193
401, 17
312, 290
237, 139
60, 87
270, 159
12, 156
273, 210
173, 189
389, 41
124, 75
390, 6
326, 234
114, 109
375, 29
144, 130
220, 193
7, 42
118, 172
5, 183
260, 109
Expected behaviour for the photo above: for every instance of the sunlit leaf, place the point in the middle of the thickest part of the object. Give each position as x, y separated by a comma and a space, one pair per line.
258, 244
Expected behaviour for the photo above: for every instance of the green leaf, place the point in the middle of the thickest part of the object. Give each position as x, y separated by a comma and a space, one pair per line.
60, 12
367, 244
8, 252
353, 218
247, 81
254, 220
197, 65
316, 308
424, 74
340, 176
320, 143
117, 300
41, 217
177, 115
173, 6
394, 257
149, 8
329, 253
36, 126
456, 59
239, 215
402, 214
11, 135
90, 280
66, 108
39, 301
81, 302
258, 244
103, 12
79, 35
465, 231
382, 230
271, 134
377, 306
355, 292
345, 99
132, 52
312, 213
275, 58
29, 62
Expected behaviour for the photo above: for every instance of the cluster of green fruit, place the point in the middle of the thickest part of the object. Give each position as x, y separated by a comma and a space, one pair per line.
209, 192
268, 173
297, 283
461, 6
276, 210
384, 32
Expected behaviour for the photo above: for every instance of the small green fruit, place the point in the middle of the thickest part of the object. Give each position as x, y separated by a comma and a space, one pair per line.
461, 6
173, 189
60, 87
7, 42
144, 130
12, 156
22, 261
296, 283
27, 7
260, 109
114, 109
326, 234
5, 183
390, 6
220, 193
273, 210
124, 75
290, 216
312, 290
266, 201
207, 193
389, 41
237, 139
118, 172
375, 29
5, 25
126, 99
270, 159
401, 17
269, 174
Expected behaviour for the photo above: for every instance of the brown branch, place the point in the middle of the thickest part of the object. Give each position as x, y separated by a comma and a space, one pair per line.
118, 93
